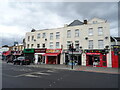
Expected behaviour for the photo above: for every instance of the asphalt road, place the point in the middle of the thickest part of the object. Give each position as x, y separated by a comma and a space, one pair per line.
16, 76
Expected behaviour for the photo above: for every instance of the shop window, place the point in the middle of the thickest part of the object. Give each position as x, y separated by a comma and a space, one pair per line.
104, 58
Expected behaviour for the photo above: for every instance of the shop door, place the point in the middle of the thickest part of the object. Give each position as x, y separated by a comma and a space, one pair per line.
89, 60
79, 60
104, 60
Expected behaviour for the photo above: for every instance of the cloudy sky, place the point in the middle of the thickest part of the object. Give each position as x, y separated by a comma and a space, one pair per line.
17, 18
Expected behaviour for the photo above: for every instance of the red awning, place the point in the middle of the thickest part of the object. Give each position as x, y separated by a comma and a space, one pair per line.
6, 53
51, 54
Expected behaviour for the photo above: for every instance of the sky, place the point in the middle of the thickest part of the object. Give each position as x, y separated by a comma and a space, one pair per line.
17, 18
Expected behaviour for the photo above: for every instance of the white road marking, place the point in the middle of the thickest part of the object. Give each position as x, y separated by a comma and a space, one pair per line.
31, 75
42, 73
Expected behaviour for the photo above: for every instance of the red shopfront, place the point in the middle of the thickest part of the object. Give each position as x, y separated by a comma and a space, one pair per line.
96, 58
115, 56
52, 56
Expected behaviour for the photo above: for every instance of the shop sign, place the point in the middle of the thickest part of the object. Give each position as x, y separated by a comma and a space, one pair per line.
93, 53
40, 50
79, 52
53, 51
28, 51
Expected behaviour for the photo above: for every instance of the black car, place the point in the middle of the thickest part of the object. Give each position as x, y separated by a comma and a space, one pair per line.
21, 61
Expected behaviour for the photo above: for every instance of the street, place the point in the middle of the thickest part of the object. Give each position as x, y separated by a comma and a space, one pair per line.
16, 76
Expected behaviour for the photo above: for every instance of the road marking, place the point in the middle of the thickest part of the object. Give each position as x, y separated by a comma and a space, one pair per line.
31, 75
42, 73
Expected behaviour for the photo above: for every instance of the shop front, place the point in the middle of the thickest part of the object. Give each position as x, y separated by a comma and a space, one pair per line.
29, 54
52, 56
77, 57
96, 58
115, 56
39, 58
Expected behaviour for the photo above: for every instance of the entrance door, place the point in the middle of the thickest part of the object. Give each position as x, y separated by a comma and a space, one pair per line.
51, 59
79, 60
104, 60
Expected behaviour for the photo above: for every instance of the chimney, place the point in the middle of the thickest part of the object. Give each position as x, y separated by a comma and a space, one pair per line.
65, 25
85, 21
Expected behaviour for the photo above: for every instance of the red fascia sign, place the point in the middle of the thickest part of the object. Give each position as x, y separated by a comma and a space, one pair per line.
93, 53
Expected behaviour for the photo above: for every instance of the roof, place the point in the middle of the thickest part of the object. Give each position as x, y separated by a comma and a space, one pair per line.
117, 38
75, 23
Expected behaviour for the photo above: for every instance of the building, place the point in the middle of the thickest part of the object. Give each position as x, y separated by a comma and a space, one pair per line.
91, 40
115, 51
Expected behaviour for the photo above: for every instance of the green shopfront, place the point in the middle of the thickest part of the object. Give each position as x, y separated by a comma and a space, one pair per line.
29, 54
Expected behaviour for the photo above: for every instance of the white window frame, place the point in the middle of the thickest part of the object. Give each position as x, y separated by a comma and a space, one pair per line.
90, 45
43, 35
32, 38
77, 33
68, 43
51, 45
28, 38
68, 33
57, 35
100, 44
57, 44
51, 36
38, 35
90, 31
100, 31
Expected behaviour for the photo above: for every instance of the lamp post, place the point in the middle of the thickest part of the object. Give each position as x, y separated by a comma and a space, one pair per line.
72, 55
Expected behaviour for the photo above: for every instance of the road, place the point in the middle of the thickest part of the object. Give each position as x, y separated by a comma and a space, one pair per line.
16, 76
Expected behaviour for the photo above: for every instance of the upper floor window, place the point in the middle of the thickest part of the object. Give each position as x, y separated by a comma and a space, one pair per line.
69, 34
51, 44
32, 45
28, 38
68, 43
27, 45
90, 46
77, 44
100, 44
57, 45
90, 31
77, 33
44, 35
32, 38
38, 45
57, 35
38, 35
100, 30
51, 36
43, 45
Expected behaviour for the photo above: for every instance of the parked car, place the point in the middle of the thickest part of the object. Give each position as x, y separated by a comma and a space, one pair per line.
21, 61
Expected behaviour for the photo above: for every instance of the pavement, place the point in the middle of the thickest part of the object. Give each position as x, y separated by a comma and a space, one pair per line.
78, 68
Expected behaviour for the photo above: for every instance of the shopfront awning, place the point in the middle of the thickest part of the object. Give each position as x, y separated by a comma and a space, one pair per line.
6, 53
51, 54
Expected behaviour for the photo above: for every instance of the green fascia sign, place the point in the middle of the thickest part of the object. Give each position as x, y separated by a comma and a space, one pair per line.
28, 51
